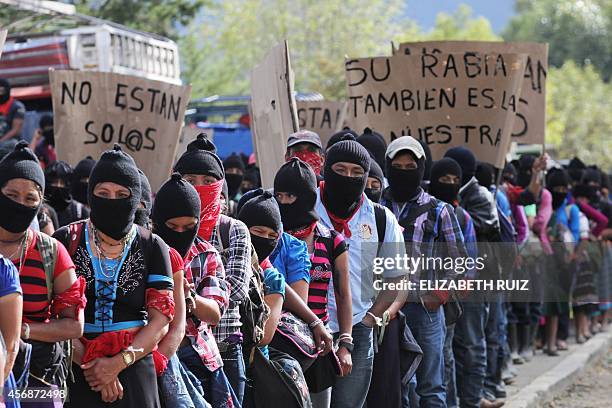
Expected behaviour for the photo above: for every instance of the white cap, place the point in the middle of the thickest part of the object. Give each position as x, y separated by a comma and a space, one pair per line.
405, 143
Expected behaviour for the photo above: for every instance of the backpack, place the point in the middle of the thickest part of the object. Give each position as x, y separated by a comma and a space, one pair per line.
47, 246
254, 311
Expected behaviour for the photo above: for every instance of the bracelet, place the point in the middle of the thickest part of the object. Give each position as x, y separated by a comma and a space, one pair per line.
316, 322
345, 336
26, 331
377, 320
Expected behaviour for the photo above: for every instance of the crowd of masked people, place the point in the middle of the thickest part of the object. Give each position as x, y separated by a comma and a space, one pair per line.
212, 291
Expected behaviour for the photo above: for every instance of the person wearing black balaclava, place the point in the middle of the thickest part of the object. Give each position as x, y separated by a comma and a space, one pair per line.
525, 171
575, 169
478, 201
338, 136
509, 174
343, 206
44, 141
22, 185
234, 174
80, 179
58, 177
375, 183
590, 185
12, 113
413, 208
143, 212
133, 267
375, 144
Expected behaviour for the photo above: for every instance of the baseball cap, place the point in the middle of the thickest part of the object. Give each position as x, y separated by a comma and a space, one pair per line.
304, 136
405, 143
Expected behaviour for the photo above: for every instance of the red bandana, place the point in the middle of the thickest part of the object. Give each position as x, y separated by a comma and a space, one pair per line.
340, 224
312, 159
210, 199
6, 107
304, 232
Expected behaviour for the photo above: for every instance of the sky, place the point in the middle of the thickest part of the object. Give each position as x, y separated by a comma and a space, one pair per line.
498, 12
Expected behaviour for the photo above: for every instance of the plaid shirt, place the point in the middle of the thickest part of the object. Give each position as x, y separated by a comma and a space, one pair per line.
203, 268
237, 271
443, 228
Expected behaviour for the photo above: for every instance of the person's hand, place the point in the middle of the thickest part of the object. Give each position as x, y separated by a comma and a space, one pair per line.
323, 339
112, 392
187, 286
540, 163
346, 361
102, 371
431, 302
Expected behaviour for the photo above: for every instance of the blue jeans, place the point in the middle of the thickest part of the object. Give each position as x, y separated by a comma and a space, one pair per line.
177, 389
449, 368
217, 389
235, 369
351, 391
469, 346
429, 330
494, 346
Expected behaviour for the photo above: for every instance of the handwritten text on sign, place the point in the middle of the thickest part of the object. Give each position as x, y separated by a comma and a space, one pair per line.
445, 100
322, 117
530, 122
94, 110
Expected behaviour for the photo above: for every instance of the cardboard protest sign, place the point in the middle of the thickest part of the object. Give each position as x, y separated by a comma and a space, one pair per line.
94, 110
274, 115
530, 123
445, 100
2, 40
322, 117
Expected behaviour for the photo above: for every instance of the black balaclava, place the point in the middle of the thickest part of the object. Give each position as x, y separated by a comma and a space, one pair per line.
58, 197
262, 210
485, 174
20, 163
233, 180
81, 171
297, 178
523, 177
405, 184
377, 173
143, 214
445, 191
252, 175
4, 97
342, 194
509, 174
200, 158
591, 179
46, 126
575, 169
114, 217
466, 160
557, 178
338, 136
375, 144
176, 198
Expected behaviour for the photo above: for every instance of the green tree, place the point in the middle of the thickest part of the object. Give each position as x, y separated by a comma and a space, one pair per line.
578, 114
575, 30
461, 25
161, 17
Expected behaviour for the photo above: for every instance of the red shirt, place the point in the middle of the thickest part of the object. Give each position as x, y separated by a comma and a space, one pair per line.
33, 281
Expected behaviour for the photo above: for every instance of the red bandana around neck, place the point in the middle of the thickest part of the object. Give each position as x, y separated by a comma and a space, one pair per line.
312, 159
210, 199
303, 233
6, 106
340, 224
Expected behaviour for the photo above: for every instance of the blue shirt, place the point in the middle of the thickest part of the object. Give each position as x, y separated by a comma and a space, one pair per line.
274, 283
9, 278
291, 258
502, 202
363, 249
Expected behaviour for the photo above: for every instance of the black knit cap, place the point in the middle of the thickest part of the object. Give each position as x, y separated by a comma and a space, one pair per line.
336, 137
234, 161
465, 158
83, 168
591, 175
348, 150
21, 163
557, 178
296, 177
510, 169
445, 166
261, 210
116, 166
375, 144
200, 158
485, 173
145, 190
175, 198
376, 172
58, 170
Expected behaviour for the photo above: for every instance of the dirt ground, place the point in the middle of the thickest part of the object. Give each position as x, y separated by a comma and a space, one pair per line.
593, 389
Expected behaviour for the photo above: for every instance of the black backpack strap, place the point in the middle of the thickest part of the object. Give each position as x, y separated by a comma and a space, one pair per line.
417, 212
381, 221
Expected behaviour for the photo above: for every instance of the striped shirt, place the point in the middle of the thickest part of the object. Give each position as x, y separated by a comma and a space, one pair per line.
328, 245
36, 307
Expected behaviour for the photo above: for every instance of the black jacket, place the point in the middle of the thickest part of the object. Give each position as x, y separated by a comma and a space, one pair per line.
480, 204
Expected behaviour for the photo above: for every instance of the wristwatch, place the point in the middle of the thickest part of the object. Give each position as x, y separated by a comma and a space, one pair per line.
347, 345
128, 357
